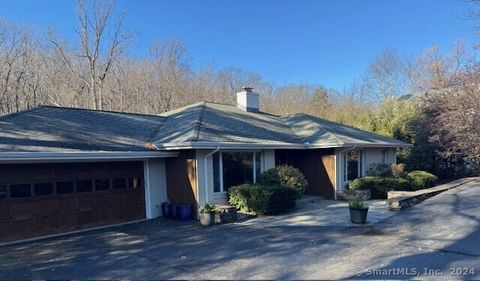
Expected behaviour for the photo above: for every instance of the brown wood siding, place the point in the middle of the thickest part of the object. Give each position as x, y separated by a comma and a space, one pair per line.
182, 179
318, 166
53, 213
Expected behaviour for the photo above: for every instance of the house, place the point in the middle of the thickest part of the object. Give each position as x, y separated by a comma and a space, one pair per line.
63, 169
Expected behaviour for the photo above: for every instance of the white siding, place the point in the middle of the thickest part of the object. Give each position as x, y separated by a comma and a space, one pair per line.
375, 155
201, 176
155, 187
392, 155
372, 156
268, 159
339, 166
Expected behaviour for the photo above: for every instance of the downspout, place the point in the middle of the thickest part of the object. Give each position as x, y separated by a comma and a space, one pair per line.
205, 170
336, 173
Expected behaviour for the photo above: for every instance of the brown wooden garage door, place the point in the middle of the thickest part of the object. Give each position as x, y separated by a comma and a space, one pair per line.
40, 199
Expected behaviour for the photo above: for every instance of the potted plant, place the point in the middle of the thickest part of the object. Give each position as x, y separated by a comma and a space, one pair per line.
358, 211
207, 214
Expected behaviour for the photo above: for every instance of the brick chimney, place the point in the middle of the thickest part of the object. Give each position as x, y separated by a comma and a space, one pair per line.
248, 100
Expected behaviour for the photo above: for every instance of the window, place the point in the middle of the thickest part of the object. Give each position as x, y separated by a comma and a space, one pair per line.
64, 187
84, 186
119, 183
384, 156
353, 164
42, 189
235, 168
135, 182
102, 184
20, 190
3, 191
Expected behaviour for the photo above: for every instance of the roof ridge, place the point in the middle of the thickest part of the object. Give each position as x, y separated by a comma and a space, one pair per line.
99, 110
167, 117
325, 129
200, 120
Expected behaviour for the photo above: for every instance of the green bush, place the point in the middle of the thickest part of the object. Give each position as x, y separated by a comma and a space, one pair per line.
379, 186
421, 179
262, 199
282, 199
286, 176
379, 170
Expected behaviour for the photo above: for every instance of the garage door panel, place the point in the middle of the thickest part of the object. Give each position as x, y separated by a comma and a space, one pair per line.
45, 207
23, 228
66, 221
42, 172
104, 200
103, 215
135, 198
86, 217
4, 230
119, 199
21, 210
67, 208
66, 205
46, 224
4, 210
86, 202
16, 173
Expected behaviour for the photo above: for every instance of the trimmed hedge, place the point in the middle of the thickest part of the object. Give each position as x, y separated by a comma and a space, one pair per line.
284, 175
262, 199
379, 186
421, 179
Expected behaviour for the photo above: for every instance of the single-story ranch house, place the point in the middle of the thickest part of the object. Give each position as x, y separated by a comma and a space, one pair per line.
62, 169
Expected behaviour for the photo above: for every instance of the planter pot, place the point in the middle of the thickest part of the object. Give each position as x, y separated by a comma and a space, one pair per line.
358, 215
207, 219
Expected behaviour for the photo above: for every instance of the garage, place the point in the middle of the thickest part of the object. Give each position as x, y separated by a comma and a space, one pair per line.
46, 198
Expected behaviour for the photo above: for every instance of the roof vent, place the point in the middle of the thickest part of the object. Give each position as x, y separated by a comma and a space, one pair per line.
248, 100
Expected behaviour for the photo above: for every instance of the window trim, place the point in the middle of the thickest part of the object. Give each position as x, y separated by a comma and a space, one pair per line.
220, 167
361, 164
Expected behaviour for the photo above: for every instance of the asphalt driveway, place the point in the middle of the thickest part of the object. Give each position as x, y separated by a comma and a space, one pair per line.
441, 235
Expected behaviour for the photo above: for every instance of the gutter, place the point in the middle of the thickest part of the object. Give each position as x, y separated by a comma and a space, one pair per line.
205, 170
243, 146
8, 157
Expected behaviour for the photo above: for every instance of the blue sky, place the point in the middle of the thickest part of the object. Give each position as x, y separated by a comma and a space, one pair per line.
327, 42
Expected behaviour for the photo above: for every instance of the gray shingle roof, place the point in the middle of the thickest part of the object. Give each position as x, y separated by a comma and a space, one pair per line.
319, 131
209, 122
57, 129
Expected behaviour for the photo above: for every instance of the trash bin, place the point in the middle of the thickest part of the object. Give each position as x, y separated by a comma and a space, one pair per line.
172, 211
165, 209
184, 212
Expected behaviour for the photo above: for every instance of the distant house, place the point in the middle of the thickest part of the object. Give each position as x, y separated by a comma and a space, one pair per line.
63, 169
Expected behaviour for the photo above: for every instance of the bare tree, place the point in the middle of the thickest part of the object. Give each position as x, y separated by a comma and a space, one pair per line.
97, 54
384, 76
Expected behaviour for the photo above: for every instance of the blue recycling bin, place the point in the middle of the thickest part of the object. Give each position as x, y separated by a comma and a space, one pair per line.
184, 212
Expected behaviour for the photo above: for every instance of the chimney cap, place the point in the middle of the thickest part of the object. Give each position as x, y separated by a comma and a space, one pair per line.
247, 89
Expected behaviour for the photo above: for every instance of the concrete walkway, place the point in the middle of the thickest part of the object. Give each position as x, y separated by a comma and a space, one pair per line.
312, 211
